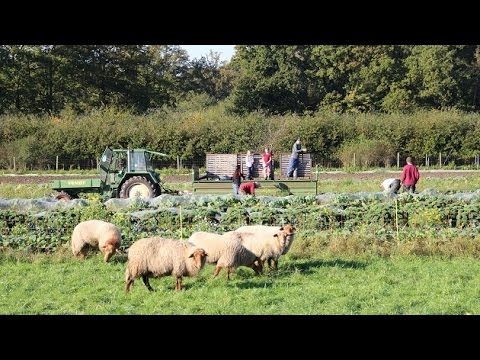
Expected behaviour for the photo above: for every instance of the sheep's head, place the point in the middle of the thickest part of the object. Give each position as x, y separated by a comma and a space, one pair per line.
286, 234
109, 249
199, 256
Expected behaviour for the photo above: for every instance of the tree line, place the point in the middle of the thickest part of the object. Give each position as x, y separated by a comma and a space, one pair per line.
272, 79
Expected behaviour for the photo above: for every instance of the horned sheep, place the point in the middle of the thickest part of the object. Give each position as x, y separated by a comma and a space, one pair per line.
157, 257
96, 234
226, 251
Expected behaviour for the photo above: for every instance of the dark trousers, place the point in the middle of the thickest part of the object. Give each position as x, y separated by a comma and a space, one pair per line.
409, 188
250, 172
292, 166
394, 187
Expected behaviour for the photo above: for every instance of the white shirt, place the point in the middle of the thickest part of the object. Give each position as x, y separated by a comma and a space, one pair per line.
387, 182
249, 160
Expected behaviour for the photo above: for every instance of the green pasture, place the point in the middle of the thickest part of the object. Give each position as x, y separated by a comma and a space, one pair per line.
324, 284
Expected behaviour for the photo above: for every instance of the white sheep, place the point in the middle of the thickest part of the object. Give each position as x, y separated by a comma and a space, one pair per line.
96, 234
288, 229
267, 243
157, 257
226, 251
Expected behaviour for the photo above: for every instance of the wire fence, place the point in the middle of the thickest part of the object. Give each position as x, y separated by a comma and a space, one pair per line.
60, 163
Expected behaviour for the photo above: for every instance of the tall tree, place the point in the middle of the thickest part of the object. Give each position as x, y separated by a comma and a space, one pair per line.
273, 78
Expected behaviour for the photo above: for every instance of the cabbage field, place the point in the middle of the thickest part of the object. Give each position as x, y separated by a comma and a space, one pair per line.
44, 225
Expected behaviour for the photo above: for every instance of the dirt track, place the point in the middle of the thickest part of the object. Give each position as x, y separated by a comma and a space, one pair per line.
331, 175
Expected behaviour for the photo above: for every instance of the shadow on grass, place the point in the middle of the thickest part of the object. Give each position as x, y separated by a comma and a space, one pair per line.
310, 266
160, 287
250, 284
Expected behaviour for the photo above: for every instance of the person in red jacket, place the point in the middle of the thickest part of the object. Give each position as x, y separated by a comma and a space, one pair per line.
248, 188
410, 176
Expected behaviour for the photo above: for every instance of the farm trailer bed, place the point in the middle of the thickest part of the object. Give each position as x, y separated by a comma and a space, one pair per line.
294, 187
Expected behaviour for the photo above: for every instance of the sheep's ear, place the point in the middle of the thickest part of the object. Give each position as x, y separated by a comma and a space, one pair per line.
275, 235
281, 229
191, 251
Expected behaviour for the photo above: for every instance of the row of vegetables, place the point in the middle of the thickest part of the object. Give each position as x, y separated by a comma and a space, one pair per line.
43, 225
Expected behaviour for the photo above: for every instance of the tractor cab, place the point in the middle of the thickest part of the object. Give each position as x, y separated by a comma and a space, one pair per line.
129, 172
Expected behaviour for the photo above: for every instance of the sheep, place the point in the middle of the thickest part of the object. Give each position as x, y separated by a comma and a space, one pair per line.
96, 234
157, 257
226, 252
288, 228
267, 243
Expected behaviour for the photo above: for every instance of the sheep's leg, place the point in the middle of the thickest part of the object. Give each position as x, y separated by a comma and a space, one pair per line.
146, 281
178, 285
256, 268
229, 271
217, 271
269, 263
128, 285
274, 265
84, 251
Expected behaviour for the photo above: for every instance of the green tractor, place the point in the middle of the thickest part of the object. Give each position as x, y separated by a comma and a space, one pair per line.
124, 173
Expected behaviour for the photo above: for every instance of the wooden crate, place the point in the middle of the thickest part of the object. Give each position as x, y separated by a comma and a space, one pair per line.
304, 169
221, 164
224, 165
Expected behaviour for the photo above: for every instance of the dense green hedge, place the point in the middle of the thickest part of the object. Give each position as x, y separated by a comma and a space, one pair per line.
192, 131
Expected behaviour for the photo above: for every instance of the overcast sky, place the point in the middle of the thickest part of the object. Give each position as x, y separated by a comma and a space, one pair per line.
197, 51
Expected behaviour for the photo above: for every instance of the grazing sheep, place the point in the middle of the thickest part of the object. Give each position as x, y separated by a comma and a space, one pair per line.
266, 243
288, 229
157, 257
96, 234
226, 251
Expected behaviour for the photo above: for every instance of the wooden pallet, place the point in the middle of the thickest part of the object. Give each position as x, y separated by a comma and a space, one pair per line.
222, 164
304, 169
219, 165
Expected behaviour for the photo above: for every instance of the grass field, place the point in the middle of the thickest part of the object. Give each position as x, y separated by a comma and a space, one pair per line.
60, 284
341, 185
446, 184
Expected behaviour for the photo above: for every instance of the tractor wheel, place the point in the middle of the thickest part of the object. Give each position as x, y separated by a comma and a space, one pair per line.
63, 196
138, 186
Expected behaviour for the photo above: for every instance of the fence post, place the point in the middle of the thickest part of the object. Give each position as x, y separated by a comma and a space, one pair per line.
398, 159
181, 226
14, 165
178, 162
440, 158
353, 159
56, 163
